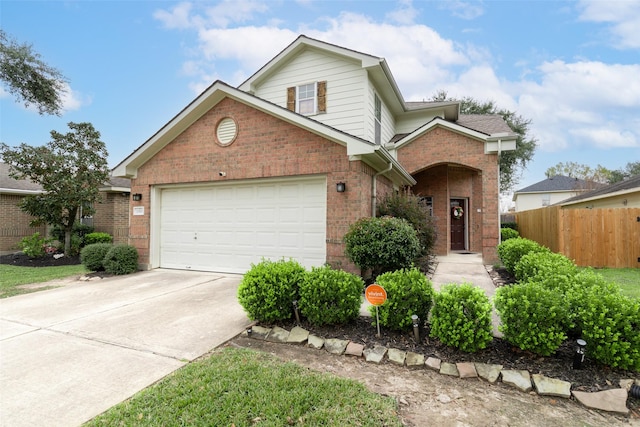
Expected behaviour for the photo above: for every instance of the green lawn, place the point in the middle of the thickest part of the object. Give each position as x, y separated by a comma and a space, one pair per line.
239, 387
11, 277
627, 278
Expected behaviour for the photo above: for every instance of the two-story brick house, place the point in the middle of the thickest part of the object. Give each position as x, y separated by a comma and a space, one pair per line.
283, 164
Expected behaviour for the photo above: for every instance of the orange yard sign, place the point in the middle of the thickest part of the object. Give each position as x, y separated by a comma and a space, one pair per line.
375, 294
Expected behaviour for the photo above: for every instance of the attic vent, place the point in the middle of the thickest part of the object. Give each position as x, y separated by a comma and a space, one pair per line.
227, 131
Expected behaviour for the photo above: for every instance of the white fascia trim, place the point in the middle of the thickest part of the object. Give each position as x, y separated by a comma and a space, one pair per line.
602, 196
438, 121
115, 189
16, 192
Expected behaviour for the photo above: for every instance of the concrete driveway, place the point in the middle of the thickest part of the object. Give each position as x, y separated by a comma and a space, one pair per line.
68, 354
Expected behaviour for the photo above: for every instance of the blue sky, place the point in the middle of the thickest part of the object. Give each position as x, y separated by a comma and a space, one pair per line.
571, 67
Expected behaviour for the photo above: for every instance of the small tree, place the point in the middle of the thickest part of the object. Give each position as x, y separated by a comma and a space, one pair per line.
70, 169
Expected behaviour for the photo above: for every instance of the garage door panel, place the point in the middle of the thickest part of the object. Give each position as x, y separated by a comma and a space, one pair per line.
240, 224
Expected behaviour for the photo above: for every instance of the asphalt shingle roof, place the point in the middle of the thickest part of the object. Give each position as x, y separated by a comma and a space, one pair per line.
485, 123
557, 183
629, 184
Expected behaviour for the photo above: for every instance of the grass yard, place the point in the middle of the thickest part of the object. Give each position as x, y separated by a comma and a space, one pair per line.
627, 278
11, 277
239, 387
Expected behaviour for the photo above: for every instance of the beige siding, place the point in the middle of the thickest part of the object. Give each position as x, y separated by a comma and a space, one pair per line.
412, 121
388, 120
630, 200
525, 202
346, 82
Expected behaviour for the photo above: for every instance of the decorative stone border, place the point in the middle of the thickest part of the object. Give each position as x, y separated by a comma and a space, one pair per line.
614, 400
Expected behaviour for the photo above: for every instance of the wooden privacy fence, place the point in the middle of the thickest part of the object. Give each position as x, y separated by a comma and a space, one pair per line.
603, 237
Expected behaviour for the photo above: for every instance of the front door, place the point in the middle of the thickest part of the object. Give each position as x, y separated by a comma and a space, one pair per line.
458, 215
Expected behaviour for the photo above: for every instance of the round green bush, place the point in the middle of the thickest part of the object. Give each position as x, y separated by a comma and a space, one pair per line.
329, 297
543, 264
92, 256
512, 250
533, 318
408, 293
508, 233
268, 289
461, 317
382, 244
121, 259
92, 238
610, 324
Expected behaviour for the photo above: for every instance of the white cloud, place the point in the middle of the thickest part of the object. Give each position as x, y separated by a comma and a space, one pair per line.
583, 103
73, 100
177, 18
405, 14
623, 16
463, 9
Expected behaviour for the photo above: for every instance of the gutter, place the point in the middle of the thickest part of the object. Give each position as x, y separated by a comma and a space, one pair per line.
374, 186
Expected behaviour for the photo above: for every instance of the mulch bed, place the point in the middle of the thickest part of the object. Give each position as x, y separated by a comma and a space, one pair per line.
21, 260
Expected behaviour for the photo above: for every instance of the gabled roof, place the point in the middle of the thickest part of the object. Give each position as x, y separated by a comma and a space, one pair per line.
630, 185
377, 68
494, 142
557, 183
489, 124
375, 155
16, 186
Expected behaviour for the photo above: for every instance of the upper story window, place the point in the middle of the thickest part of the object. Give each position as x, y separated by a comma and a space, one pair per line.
308, 98
546, 199
378, 118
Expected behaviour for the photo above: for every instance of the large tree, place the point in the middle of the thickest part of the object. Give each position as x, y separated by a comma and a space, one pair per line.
599, 174
511, 162
29, 78
631, 169
70, 168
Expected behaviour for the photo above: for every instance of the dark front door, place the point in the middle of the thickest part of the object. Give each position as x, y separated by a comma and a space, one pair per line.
458, 215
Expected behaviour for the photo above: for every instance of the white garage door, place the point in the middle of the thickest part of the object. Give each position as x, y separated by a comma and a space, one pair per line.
227, 227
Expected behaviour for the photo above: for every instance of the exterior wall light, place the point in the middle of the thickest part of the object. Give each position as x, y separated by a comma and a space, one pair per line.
136, 197
341, 187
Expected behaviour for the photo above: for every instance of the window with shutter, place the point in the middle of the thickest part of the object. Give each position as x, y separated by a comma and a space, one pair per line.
308, 99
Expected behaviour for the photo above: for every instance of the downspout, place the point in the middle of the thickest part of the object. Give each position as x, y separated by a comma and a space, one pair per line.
499, 214
374, 189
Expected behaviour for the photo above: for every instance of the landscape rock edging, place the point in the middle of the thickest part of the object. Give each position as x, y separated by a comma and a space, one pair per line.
613, 400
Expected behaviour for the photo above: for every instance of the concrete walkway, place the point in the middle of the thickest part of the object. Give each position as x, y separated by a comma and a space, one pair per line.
465, 268
68, 354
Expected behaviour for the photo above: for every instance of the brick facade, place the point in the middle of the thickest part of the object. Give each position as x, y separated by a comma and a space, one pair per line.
14, 223
264, 147
449, 165
112, 215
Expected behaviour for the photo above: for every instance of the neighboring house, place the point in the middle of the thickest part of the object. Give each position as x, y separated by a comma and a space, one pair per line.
624, 194
283, 164
550, 191
111, 216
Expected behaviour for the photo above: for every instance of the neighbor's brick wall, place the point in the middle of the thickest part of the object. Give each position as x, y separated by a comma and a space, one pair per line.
112, 216
449, 165
264, 147
14, 223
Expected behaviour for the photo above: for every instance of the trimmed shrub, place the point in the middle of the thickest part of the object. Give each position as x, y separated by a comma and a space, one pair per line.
121, 259
461, 317
92, 238
268, 289
409, 207
536, 265
34, 246
382, 244
511, 225
610, 324
512, 250
408, 293
330, 296
508, 233
92, 256
78, 233
533, 318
